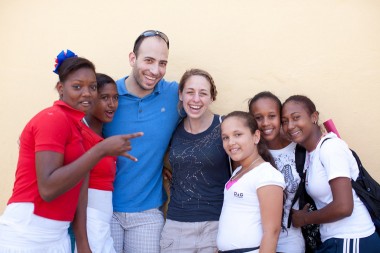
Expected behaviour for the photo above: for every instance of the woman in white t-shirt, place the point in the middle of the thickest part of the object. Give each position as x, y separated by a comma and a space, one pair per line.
346, 225
265, 107
252, 209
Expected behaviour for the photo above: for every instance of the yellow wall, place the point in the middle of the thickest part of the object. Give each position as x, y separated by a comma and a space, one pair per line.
328, 50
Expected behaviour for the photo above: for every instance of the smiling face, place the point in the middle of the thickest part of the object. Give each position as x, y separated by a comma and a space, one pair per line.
148, 66
297, 122
267, 115
105, 104
196, 96
79, 89
238, 140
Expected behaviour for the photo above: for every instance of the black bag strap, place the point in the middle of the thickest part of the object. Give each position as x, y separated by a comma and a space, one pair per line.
362, 172
324, 142
320, 146
300, 157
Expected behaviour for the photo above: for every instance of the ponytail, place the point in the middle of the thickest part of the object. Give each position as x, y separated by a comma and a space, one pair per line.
265, 154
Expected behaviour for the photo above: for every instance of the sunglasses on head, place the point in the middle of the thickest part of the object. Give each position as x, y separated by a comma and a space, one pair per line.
150, 33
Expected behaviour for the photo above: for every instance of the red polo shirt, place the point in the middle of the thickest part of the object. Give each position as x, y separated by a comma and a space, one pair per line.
56, 129
103, 173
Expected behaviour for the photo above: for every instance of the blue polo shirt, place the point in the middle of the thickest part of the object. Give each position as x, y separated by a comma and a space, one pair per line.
138, 185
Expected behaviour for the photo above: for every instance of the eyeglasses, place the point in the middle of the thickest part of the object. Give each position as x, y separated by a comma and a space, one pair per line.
150, 33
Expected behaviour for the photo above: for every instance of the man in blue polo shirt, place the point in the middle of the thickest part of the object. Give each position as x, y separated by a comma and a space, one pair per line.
147, 103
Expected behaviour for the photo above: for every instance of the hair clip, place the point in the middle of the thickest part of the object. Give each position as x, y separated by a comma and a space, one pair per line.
62, 57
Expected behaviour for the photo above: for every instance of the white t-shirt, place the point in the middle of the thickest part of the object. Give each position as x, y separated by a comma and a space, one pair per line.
291, 239
331, 160
240, 220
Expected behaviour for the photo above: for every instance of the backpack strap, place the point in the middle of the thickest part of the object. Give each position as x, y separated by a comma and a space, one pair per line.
324, 142
300, 157
368, 190
320, 146
362, 172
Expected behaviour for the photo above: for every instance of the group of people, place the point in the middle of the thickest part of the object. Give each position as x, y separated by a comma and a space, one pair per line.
95, 160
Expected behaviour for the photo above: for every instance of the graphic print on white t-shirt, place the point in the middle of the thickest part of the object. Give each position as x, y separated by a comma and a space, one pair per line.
290, 240
285, 162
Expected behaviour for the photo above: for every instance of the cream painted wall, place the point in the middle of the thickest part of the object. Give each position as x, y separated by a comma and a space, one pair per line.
327, 50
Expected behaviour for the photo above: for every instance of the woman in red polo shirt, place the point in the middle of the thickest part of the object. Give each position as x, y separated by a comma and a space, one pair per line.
52, 164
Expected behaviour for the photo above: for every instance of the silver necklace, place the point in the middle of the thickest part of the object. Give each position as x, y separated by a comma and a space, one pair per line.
242, 169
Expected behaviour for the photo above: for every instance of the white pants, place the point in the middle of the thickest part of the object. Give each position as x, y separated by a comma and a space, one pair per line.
99, 215
22, 231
